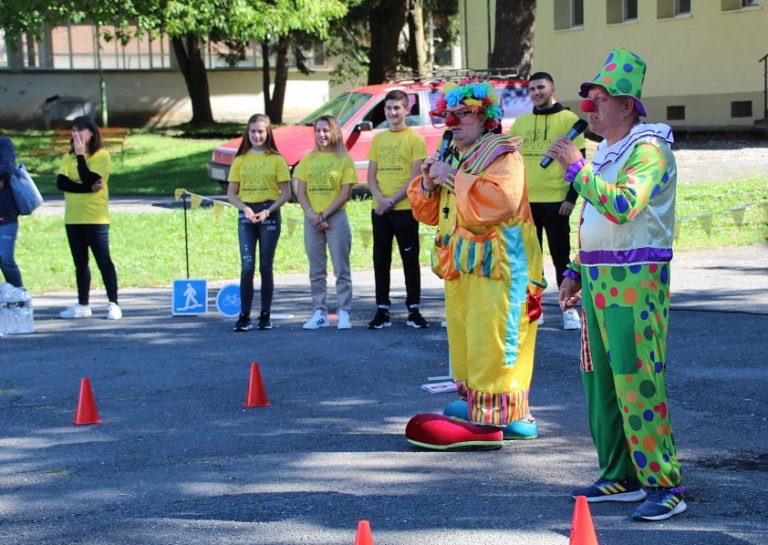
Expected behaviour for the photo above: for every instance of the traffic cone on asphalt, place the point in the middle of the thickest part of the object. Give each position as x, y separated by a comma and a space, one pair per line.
364, 535
582, 528
256, 395
86, 412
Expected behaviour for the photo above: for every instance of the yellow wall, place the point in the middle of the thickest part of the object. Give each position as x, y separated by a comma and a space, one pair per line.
702, 62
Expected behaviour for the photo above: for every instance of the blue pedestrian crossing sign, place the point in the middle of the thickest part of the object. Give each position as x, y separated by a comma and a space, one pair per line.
190, 297
228, 300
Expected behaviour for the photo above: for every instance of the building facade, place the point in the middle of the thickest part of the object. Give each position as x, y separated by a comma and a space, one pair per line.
704, 56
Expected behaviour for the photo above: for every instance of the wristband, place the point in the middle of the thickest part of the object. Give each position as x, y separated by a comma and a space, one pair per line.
574, 168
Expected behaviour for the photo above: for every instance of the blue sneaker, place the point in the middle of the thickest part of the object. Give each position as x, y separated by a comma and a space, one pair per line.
661, 504
526, 428
604, 490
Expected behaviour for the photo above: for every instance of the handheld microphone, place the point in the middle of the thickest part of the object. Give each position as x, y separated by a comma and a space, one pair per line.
579, 127
445, 145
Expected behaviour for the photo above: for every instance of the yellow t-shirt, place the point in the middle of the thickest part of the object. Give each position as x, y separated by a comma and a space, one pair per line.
324, 174
395, 153
259, 176
538, 132
87, 208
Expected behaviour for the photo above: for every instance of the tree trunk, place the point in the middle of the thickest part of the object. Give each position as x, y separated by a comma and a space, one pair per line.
273, 104
385, 22
513, 37
190, 58
266, 76
417, 46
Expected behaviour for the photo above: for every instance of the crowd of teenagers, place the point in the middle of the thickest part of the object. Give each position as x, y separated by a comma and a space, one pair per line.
259, 184
490, 202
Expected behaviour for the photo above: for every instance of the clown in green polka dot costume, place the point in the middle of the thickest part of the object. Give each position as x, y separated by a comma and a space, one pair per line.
623, 274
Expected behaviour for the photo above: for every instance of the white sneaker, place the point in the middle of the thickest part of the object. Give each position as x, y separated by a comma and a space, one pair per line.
76, 311
114, 312
571, 319
344, 322
319, 319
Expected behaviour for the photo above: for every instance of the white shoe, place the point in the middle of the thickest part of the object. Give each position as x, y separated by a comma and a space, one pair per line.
344, 322
76, 311
571, 319
319, 319
114, 312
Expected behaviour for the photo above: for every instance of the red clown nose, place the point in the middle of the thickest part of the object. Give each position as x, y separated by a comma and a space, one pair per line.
587, 106
451, 120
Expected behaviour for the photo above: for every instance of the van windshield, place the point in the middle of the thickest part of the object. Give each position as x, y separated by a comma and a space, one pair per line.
342, 108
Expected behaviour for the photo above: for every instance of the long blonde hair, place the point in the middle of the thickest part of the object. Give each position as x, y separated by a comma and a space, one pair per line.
337, 141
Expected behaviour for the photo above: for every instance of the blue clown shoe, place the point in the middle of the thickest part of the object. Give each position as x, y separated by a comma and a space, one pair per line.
519, 429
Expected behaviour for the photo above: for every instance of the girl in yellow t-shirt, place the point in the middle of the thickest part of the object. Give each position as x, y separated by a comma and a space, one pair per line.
83, 177
258, 186
324, 180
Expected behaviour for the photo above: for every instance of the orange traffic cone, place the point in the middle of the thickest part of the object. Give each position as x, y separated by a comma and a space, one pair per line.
256, 395
86, 412
582, 528
364, 535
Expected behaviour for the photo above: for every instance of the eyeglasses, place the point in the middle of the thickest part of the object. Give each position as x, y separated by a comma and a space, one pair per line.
451, 118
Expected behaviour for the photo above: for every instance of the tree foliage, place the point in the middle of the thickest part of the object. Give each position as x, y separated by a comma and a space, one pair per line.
189, 24
369, 42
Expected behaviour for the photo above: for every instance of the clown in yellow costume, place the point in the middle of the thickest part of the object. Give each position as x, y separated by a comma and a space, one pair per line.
487, 252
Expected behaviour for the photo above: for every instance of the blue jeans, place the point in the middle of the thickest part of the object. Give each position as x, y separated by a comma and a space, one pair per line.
266, 234
8, 265
95, 237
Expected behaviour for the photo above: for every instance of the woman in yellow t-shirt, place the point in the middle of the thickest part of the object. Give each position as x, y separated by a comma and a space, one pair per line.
83, 177
259, 184
324, 180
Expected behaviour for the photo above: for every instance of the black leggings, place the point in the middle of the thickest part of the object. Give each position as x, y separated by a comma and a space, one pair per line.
95, 237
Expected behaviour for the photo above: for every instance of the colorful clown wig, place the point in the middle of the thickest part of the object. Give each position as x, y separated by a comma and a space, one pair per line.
478, 95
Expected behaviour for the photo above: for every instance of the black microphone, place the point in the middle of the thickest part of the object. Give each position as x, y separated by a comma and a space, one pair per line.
445, 145
579, 127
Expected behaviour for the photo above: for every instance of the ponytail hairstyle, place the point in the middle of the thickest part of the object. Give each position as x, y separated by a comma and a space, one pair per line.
336, 144
269, 143
85, 122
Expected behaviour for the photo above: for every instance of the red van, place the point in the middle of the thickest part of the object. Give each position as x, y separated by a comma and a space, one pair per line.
360, 112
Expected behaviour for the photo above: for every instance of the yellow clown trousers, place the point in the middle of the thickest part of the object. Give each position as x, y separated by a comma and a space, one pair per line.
491, 338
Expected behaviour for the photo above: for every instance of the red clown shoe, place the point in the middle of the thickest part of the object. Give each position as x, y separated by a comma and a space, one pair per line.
438, 432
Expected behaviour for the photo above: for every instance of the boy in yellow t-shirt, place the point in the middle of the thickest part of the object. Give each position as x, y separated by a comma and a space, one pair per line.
552, 198
395, 159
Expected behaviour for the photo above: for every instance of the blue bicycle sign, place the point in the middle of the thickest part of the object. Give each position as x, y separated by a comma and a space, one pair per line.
228, 300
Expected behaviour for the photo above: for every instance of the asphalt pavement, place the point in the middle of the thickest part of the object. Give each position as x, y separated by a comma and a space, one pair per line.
179, 460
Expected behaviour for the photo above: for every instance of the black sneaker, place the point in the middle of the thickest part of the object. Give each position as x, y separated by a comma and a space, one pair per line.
381, 319
243, 324
415, 319
264, 321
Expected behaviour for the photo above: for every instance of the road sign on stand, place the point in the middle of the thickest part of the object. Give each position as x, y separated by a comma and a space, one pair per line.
190, 297
228, 300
